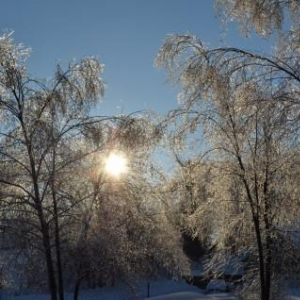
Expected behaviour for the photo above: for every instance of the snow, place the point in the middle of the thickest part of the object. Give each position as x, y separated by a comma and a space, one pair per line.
216, 285
194, 296
294, 294
163, 287
159, 290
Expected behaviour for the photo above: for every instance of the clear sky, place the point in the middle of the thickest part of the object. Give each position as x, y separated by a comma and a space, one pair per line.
124, 34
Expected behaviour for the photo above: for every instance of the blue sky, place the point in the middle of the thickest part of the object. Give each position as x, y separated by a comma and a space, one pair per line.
124, 34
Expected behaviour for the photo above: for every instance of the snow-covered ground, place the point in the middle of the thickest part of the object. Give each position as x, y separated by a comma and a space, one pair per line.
194, 296
294, 294
159, 290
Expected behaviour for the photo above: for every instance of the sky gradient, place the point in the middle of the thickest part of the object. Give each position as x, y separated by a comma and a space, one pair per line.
125, 35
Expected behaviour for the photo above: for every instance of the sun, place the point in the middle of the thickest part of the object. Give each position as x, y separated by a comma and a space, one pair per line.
116, 164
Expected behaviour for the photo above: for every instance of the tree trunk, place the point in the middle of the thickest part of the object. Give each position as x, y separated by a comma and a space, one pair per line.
38, 206
77, 287
264, 295
268, 268
268, 264
47, 248
56, 224
48, 256
264, 292
58, 254
256, 223
51, 275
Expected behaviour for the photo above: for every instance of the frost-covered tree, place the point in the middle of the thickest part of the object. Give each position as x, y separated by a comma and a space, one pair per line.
41, 138
247, 106
188, 193
123, 233
265, 16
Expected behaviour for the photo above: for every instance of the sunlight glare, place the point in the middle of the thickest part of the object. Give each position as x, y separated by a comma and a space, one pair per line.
116, 164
